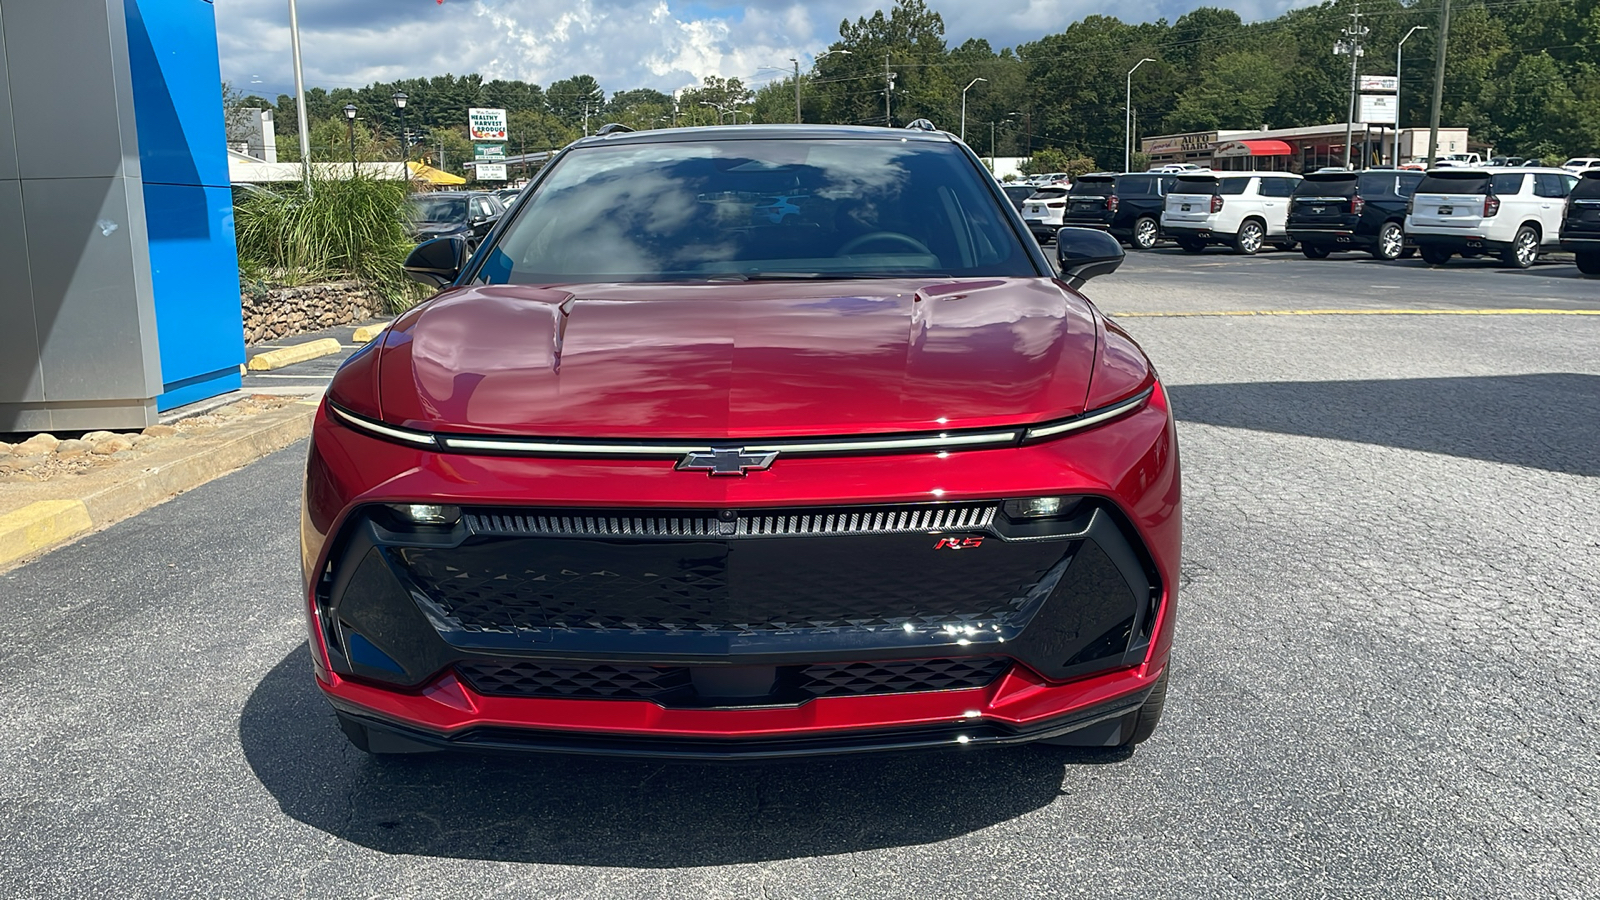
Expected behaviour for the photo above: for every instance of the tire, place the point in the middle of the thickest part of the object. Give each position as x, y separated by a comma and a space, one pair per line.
1315, 251
1134, 728
1524, 249
1589, 263
1435, 256
1250, 237
1191, 245
1145, 233
1391, 242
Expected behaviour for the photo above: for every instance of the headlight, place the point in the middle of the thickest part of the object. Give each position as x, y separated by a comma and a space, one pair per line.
427, 513
1040, 507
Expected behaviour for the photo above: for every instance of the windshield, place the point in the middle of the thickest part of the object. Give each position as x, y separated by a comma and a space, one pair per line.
1587, 187
697, 210
1190, 184
1094, 187
438, 210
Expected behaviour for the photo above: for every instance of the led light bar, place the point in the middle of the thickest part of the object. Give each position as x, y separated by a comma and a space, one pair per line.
1092, 417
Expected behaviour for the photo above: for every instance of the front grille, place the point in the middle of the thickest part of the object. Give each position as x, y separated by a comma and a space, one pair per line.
901, 676
507, 585
743, 523
672, 685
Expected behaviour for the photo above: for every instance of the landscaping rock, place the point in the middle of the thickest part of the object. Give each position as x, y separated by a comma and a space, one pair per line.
38, 445
72, 449
159, 431
115, 444
274, 313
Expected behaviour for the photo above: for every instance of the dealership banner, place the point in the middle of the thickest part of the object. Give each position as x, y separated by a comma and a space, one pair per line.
486, 124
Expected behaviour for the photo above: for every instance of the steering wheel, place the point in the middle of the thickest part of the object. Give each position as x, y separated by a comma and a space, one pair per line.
892, 236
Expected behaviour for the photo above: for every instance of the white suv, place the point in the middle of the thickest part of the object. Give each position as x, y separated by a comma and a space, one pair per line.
1510, 212
1043, 211
1579, 164
1243, 210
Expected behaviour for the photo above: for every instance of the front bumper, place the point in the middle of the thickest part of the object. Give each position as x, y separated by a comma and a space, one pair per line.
1025, 636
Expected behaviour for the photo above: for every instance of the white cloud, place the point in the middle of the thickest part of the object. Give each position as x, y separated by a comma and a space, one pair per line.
623, 43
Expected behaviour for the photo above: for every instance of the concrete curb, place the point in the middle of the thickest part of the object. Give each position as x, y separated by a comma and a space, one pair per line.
47, 524
366, 333
298, 353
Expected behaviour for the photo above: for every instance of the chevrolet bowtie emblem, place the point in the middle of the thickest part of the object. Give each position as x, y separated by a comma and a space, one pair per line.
726, 461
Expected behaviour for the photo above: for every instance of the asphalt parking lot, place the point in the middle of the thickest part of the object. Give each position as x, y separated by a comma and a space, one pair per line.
1384, 685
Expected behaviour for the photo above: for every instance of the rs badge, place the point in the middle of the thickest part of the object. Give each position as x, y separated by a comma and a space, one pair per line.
959, 543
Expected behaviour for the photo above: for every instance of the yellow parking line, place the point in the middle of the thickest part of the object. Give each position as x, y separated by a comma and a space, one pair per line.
1356, 312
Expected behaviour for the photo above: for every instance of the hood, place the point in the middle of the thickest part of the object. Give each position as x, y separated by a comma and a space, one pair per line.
747, 360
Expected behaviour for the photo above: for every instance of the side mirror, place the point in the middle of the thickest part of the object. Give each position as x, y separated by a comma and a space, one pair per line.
436, 263
1085, 253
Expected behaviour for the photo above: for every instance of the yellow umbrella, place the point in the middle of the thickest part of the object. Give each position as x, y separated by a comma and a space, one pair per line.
433, 176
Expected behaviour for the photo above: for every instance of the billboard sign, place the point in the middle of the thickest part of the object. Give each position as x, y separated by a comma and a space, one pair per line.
486, 124
1377, 109
491, 171
1382, 83
489, 152
1194, 142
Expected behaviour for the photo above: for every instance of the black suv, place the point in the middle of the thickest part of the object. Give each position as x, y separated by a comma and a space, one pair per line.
1353, 211
1129, 206
468, 215
1580, 230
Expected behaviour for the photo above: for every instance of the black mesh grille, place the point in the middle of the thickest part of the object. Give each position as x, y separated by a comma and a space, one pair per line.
901, 676
671, 685
537, 679
743, 523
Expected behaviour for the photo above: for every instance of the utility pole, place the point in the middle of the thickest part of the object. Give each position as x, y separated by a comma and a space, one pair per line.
1351, 44
796, 62
1127, 125
1438, 82
300, 97
888, 88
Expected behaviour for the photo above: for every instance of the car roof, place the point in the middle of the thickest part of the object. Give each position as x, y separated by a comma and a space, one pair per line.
1486, 171
765, 132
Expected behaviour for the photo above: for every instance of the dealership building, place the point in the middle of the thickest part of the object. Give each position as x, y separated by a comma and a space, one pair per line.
1297, 149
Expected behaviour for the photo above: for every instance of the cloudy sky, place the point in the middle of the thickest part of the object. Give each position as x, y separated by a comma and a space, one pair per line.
663, 44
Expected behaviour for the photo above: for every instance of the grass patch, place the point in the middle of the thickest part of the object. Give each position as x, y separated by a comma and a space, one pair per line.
345, 230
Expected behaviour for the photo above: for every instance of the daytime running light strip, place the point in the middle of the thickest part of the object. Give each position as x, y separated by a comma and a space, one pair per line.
1093, 418
399, 434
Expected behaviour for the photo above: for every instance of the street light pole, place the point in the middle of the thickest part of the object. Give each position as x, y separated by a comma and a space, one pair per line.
1127, 118
399, 99
796, 61
1352, 45
350, 122
1399, 52
964, 104
1438, 82
300, 97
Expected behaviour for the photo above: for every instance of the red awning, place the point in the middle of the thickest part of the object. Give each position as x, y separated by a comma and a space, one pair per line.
1267, 148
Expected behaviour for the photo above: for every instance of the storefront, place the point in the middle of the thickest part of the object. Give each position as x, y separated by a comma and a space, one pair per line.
1297, 150
1252, 156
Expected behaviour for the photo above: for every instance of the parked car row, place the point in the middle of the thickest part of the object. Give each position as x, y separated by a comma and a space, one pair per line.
1515, 213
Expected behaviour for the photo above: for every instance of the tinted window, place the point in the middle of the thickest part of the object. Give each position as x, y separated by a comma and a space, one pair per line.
438, 209
1327, 186
1587, 187
1408, 182
1203, 184
1450, 183
1277, 187
1049, 194
1098, 187
1232, 185
692, 210
1549, 184
1379, 184
1507, 183
1139, 185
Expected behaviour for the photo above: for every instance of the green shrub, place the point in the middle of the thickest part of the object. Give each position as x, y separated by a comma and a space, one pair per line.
347, 229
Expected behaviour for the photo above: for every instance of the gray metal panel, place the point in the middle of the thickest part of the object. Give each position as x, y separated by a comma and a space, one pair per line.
8, 145
20, 374
82, 124
91, 286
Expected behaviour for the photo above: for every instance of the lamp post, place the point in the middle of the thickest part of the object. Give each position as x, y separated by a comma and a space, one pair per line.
1398, 51
399, 98
300, 97
1009, 117
964, 104
1127, 118
350, 123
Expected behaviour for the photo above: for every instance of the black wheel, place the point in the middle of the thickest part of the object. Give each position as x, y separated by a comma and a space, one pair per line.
1127, 731
1435, 256
1524, 249
1589, 263
1391, 242
1145, 233
1315, 251
1191, 245
1250, 237
1286, 246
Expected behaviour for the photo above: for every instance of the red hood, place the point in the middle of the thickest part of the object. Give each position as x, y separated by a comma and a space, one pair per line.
739, 360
